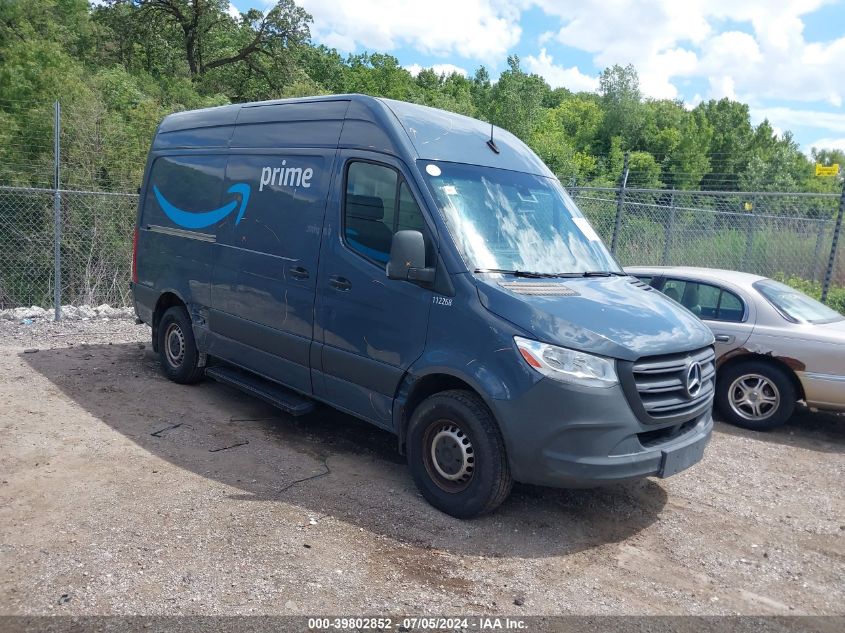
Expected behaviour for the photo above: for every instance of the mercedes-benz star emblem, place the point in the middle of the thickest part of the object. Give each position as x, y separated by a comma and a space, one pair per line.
693, 380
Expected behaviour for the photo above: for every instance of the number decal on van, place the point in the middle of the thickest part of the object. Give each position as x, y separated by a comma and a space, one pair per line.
441, 301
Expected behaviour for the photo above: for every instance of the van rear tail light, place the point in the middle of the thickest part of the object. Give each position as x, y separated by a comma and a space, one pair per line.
135, 256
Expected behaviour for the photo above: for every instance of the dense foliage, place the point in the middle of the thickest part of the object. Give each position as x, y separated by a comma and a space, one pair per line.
119, 66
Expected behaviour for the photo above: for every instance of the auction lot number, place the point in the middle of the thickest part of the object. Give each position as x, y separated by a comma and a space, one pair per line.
384, 624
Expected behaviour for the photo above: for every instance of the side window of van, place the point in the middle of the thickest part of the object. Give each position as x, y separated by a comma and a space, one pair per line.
409, 216
378, 203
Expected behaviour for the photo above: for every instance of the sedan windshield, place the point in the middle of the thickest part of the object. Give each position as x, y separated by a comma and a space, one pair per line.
795, 305
507, 221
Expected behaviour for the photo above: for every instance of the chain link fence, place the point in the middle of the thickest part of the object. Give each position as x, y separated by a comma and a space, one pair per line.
95, 244
770, 234
68, 204
68, 179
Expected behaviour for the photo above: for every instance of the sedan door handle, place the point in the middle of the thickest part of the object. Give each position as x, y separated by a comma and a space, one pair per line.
298, 272
724, 338
340, 283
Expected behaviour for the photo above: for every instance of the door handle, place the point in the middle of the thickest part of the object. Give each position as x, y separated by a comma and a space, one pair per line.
340, 283
298, 272
724, 338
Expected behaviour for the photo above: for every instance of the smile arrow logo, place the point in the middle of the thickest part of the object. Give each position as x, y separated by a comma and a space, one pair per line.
190, 220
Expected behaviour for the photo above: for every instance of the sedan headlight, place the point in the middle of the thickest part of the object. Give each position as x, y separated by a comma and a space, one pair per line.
567, 365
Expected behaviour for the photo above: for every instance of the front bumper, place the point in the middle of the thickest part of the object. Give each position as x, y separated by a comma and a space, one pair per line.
574, 437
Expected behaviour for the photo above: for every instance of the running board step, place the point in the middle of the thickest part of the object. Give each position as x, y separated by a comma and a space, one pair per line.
288, 401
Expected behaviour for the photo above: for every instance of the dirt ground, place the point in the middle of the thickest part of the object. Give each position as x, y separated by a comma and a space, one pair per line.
123, 493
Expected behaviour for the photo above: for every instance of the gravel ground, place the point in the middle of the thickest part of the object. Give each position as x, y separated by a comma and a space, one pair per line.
123, 493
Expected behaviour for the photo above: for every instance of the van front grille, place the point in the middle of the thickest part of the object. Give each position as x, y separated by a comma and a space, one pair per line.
659, 385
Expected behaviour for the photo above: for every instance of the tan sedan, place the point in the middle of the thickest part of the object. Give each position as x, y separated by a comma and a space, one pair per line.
775, 345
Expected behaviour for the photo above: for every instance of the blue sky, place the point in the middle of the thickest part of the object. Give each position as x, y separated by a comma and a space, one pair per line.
785, 58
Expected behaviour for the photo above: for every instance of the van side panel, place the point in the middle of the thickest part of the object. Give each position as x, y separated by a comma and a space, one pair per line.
265, 263
290, 125
173, 254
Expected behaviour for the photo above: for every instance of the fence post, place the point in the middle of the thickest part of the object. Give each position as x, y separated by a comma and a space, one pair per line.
749, 236
828, 276
620, 205
57, 212
669, 231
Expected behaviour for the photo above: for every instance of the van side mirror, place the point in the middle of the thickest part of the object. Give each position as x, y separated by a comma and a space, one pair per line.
407, 258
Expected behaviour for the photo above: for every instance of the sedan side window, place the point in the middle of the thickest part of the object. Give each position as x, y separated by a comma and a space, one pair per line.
731, 307
705, 301
702, 300
674, 289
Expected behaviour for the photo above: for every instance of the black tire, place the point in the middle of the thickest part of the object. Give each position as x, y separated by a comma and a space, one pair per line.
469, 446
177, 349
758, 414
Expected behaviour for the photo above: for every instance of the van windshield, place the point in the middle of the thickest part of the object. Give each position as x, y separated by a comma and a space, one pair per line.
512, 221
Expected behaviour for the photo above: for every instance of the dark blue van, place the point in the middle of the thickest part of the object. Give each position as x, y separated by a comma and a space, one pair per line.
424, 272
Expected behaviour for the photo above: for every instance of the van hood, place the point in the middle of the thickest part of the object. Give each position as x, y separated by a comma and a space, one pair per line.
615, 317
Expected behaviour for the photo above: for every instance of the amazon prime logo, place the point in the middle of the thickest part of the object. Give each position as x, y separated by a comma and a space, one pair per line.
203, 219
693, 385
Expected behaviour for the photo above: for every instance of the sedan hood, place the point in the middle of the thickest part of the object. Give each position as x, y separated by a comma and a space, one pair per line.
617, 317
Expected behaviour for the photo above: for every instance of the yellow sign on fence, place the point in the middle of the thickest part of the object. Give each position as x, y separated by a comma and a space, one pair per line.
827, 170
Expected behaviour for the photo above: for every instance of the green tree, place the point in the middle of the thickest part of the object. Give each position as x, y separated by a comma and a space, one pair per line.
826, 184
517, 100
730, 123
213, 39
775, 164
381, 76
619, 88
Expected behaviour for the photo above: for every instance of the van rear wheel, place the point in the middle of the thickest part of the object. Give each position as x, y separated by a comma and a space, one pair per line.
177, 349
457, 456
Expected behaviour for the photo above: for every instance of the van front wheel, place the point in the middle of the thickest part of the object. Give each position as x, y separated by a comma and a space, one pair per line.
177, 349
457, 455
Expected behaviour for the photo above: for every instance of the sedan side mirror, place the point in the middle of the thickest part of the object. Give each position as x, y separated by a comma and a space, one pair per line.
407, 258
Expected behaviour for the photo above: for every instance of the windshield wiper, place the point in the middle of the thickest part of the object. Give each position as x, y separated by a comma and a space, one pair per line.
574, 275
515, 273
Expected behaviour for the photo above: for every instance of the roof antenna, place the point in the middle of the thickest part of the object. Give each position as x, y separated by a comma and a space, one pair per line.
491, 143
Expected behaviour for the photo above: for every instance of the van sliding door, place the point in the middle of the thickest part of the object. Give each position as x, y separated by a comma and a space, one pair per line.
265, 263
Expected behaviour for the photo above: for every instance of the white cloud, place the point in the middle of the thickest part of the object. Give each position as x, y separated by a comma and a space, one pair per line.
233, 11
440, 69
754, 51
477, 29
667, 40
690, 104
560, 76
830, 143
792, 118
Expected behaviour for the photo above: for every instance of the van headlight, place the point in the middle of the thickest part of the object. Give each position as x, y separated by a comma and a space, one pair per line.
567, 365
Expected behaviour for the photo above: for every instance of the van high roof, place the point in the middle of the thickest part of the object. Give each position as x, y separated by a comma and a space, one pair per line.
406, 130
